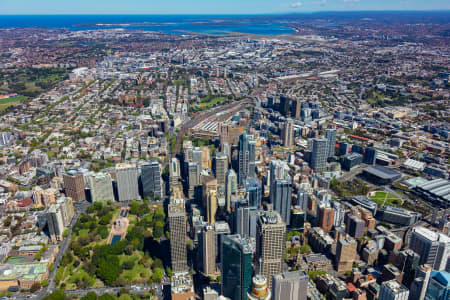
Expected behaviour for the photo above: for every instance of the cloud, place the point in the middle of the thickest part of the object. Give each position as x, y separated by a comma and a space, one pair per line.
295, 5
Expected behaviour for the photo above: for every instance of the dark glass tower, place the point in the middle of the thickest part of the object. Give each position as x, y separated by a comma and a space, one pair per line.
236, 267
244, 156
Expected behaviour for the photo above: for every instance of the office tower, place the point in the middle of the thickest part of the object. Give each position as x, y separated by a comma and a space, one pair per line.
290, 286
288, 133
419, 286
432, 247
206, 157
177, 230
253, 192
221, 229
345, 254
209, 251
370, 156
330, 135
270, 242
74, 185
221, 168
282, 198
243, 158
187, 151
251, 157
242, 220
127, 182
230, 187
408, 263
302, 199
438, 286
197, 154
101, 187
211, 206
55, 223
344, 148
357, 149
393, 290
284, 108
355, 227
319, 154
298, 217
259, 289
297, 109
236, 267
174, 171
151, 180
193, 178
326, 218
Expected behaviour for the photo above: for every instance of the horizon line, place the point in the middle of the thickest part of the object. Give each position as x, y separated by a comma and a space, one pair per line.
229, 14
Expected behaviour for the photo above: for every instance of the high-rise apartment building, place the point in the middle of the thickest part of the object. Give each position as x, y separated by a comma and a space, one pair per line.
270, 240
177, 229
330, 135
290, 286
319, 154
101, 187
236, 266
432, 247
127, 182
151, 180
345, 254
55, 222
74, 185
326, 218
288, 133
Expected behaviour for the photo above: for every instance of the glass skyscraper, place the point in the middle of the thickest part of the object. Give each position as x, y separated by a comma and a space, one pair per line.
236, 267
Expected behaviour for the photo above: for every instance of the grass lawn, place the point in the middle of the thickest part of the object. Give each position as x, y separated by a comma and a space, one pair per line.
178, 82
205, 103
5, 103
78, 274
384, 198
83, 233
135, 273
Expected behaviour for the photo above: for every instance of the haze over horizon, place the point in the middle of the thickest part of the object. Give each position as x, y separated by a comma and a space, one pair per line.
54, 7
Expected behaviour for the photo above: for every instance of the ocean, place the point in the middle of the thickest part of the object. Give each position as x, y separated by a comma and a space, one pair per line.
171, 24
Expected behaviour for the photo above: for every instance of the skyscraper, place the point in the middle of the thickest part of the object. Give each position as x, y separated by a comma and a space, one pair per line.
393, 290
259, 289
282, 198
370, 156
101, 187
209, 252
433, 247
251, 156
193, 177
221, 168
253, 190
288, 133
419, 286
74, 185
177, 229
345, 254
439, 286
270, 242
243, 158
127, 182
230, 187
236, 267
290, 286
330, 135
211, 206
319, 154
326, 218
55, 222
151, 180
174, 171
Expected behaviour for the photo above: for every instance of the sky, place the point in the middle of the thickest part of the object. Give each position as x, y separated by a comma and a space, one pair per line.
210, 6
